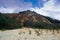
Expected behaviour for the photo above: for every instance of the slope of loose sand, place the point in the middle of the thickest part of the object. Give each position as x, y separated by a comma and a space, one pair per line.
30, 34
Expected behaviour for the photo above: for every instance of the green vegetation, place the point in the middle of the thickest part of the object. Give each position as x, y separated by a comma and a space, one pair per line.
3, 21
8, 23
41, 25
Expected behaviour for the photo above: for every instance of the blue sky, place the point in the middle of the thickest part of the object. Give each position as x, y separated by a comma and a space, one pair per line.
7, 3
35, 3
20, 4
49, 8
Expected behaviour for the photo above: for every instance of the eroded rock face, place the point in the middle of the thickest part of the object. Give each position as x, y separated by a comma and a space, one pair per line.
29, 15
30, 34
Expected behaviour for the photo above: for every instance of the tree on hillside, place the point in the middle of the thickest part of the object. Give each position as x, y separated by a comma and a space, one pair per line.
3, 21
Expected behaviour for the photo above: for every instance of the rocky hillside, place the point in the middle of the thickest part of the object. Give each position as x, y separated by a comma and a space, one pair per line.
28, 19
29, 15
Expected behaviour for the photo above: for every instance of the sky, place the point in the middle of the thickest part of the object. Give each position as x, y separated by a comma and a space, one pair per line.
49, 8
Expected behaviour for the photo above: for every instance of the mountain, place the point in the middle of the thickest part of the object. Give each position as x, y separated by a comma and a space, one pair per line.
29, 15
30, 19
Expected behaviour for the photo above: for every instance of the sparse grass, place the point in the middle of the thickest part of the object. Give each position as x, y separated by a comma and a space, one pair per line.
25, 38
24, 32
20, 32
57, 31
37, 32
0, 37
53, 32
30, 32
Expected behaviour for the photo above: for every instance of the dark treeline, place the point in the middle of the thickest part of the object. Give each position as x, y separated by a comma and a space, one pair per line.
41, 25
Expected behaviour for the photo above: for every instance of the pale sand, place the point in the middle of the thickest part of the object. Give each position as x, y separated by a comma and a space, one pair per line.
29, 34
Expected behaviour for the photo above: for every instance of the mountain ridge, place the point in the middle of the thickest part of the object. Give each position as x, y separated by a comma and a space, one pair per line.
30, 15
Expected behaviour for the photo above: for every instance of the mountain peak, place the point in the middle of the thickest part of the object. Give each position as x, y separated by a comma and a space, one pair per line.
28, 12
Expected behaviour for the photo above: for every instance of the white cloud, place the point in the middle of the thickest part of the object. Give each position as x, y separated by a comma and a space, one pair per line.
10, 6
7, 10
50, 9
